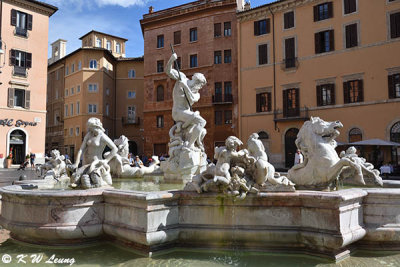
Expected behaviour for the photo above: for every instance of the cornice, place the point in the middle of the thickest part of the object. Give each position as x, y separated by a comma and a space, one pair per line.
261, 12
32, 6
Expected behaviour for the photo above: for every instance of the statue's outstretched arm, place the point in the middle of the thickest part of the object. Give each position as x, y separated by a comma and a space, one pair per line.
81, 149
171, 72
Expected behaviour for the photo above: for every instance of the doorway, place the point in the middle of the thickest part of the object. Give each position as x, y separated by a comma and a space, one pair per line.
290, 146
133, 147
18, 146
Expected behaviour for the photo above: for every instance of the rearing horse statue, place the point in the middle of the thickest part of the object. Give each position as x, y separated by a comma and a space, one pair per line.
322, 165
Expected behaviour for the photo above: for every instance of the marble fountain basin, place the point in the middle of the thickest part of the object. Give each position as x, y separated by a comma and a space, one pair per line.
328, 224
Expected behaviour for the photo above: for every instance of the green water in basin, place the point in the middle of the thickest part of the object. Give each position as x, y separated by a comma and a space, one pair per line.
106, 254
146, 184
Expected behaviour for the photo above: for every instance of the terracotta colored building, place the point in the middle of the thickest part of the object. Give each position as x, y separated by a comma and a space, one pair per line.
23, 58
336, 59
96, 80
204, 35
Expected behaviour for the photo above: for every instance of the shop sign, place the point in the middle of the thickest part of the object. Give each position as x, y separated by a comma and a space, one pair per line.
18, 123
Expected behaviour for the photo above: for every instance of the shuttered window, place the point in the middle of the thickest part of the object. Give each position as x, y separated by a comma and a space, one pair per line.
218, 117
263, 54
262, 27
23, 22
394, 85
395, 25
19, 98
353, 91
324, 41
290, 53
160, 66
263, 102
291, 102
177, 37
323, 11
288, 20
217, 30
350, 6
160, 93
351, 35
325, 94
21, 61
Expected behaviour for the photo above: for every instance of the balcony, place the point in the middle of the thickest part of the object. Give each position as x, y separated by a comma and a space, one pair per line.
19, 71
290, 63
222, 99
131, 120
21, 32
291, 115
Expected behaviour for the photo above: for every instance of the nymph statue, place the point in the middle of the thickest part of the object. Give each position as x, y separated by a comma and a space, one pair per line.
186, 148
95, 170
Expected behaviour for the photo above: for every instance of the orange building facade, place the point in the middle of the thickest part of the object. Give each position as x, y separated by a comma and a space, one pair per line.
204, 36
96, 80
335, 59
23, 61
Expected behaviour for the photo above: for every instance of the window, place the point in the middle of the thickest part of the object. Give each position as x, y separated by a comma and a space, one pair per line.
355, 135
193, 34
22, 22
78, 108
228, 116
57, 75
66, 92
160, 41
351, 35
107, 110
324, 42
131, 114
72, 109
56, 93
228, 91
394, 85
290, 53
262, 27
66, 70
118, 48
92, 108
288, 20
66, 111
160, 121
395, 25
77, 131
227, 29
291, 102
79, 65
108, 45
177, 37
218, 92
131, 94
323, 11
93, 64
107, 91
98, 42
218, 117
78, 88
353, 91
217, 30
92, 88
262, 54
131, 74
21, 61
350, 6
160, 66
73, 68
395, 133
263, 102
217, 57
160, 93
72, 90
325, 94
18, 98
193, 61
227, 56
71, 131
178, 62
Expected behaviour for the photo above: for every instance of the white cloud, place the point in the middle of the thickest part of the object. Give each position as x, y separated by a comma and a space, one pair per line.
123, 3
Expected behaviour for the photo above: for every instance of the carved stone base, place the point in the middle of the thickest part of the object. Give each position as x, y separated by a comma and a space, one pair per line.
184, 166
268, 187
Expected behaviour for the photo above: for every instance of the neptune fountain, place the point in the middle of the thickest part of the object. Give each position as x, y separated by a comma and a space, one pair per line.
240, 201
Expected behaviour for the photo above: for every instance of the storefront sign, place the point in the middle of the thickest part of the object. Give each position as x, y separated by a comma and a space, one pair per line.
18, 123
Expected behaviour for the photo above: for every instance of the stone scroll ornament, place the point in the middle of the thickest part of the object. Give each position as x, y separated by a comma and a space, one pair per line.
322, 167
186, 148
238, 173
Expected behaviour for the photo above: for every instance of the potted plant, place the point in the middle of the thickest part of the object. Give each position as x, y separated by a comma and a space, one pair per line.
9, 159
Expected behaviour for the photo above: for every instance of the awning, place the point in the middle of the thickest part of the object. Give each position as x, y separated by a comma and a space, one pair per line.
374, 142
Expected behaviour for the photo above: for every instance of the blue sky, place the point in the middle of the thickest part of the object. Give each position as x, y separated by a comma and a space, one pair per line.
77, 17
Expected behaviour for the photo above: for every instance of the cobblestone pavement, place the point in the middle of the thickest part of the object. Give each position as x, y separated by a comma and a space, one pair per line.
7, 176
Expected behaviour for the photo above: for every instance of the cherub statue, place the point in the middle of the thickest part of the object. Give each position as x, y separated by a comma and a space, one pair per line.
55, 166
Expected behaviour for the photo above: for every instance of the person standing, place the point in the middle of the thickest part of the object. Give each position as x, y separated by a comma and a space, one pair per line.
32, 157
298, 157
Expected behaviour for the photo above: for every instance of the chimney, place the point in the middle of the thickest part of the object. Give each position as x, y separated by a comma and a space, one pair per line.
247, 6
151, 9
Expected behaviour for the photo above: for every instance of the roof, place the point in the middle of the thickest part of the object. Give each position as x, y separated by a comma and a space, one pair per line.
262, 6
93, 31
131, 59
375, 142
53, 8
79, 49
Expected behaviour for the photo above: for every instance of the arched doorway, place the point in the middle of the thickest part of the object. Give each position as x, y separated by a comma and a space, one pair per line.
395, 137
133, 148
17, 146
290, 146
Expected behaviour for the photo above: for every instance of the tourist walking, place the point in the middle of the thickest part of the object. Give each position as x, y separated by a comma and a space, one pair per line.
298, 157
